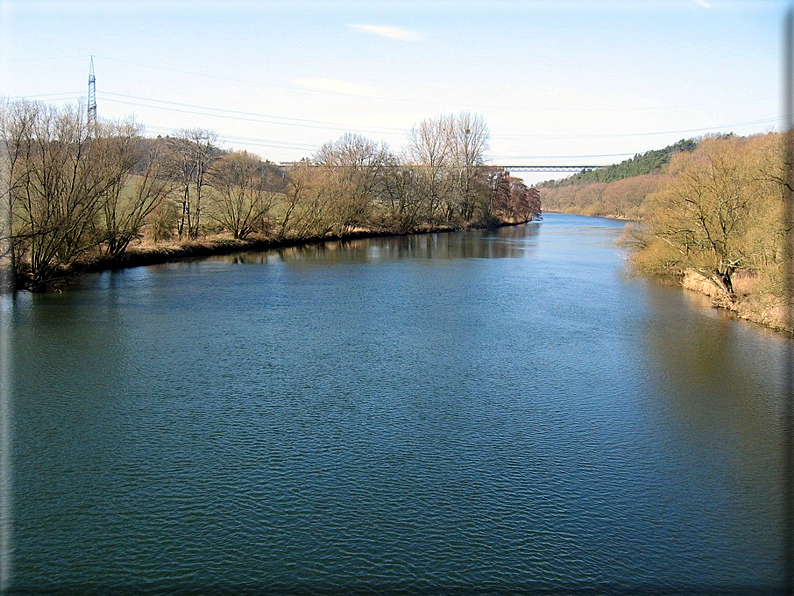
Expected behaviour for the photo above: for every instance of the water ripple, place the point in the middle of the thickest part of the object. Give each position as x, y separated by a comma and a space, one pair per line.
460, 425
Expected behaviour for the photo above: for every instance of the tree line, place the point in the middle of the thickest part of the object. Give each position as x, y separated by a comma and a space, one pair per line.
620, 190
711, 218
718, 212
617, 190
74, 191
641, 164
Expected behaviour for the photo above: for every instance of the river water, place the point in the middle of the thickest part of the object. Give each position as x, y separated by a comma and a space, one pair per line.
484, 412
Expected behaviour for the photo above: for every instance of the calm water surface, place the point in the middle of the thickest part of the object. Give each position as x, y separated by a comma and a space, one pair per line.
486, 412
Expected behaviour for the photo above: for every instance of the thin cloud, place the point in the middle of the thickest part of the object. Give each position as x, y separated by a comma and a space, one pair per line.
703, 3
335, 86
389, 32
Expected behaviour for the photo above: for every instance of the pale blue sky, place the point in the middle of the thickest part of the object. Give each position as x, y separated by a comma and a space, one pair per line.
557, 81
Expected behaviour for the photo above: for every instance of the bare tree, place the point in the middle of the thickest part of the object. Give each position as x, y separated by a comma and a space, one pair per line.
309, 201
705, 210
115, 147
60, 192
297, 181
16, 130
469, 142
131, 198
360, 165
430, 149
244, 193
192, 152
403, 196
451, 150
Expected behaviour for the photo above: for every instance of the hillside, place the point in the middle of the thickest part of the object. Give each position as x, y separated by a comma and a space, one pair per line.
643, 163
616, 191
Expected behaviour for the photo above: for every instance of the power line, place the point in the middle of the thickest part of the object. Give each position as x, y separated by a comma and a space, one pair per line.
247, 140
645, 134
239, 114
262, 118
324, 125
62, 96
502, 158
305, 89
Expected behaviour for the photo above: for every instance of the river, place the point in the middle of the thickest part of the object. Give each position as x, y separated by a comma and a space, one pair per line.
482, 412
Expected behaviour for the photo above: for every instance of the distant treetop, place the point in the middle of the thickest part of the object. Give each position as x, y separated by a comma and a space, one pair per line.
642, 163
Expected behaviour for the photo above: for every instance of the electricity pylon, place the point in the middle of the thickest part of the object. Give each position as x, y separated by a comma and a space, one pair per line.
91, 99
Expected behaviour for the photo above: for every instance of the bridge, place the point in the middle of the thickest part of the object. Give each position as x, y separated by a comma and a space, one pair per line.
516, 168
537, 168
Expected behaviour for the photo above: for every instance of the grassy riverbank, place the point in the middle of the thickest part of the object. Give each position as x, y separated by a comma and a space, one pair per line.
81, 199
144, 253
572, 211
708, 217
716, 225
748, 301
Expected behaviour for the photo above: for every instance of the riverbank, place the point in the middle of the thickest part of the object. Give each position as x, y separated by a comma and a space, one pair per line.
141, 255
604, 215
757, 307
748, 303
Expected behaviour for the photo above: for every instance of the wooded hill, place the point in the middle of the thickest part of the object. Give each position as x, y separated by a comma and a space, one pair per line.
615, 191
711, 218
649, 162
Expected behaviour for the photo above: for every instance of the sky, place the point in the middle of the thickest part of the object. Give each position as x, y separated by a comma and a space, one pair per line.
568, 82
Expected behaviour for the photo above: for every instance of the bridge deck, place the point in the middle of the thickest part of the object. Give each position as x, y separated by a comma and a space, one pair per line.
541, 168
513, 168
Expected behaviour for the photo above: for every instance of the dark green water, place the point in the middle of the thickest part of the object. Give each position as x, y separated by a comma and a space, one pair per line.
486, 413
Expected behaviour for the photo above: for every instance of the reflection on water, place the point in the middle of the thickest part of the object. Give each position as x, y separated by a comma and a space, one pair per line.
507, 242
482, 412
